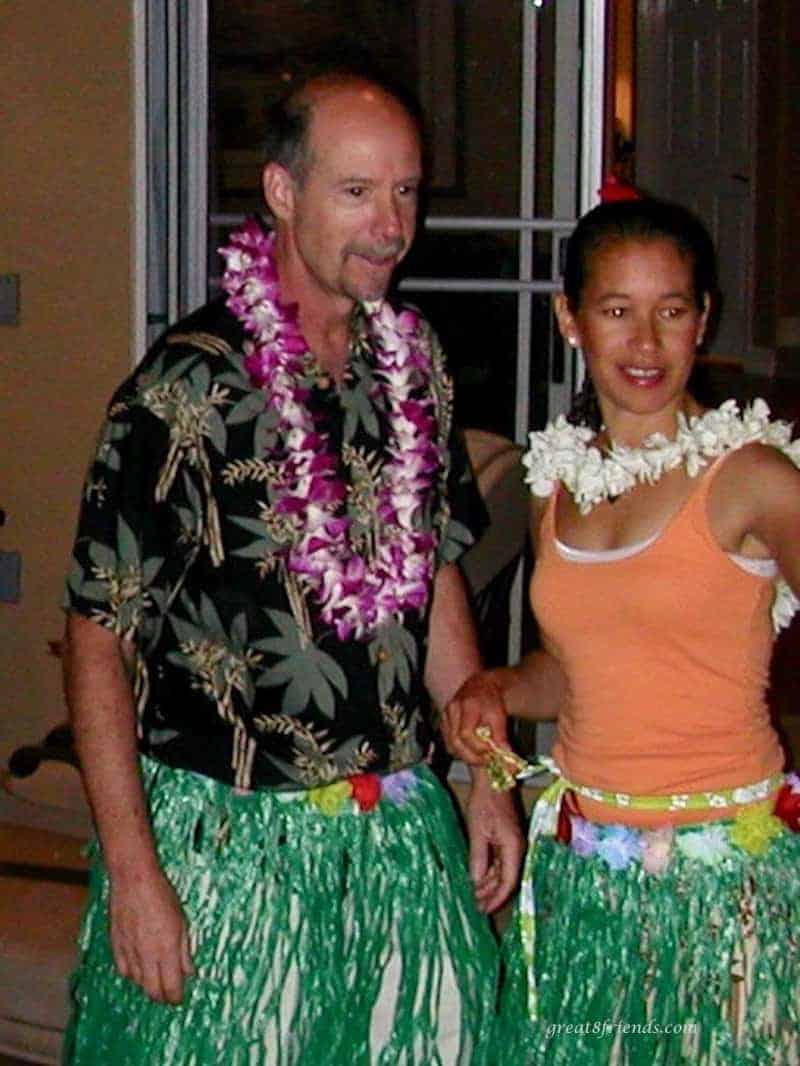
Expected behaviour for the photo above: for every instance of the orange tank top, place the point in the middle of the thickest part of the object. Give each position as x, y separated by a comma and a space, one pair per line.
667, 654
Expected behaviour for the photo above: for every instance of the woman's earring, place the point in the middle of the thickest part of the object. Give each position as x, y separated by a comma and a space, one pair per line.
572, 341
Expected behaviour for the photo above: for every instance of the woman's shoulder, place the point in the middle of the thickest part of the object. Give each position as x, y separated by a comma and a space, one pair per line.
757, 462
750, 485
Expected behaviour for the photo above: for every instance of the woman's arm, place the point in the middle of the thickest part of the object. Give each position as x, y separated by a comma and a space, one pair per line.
534, 689
755, 499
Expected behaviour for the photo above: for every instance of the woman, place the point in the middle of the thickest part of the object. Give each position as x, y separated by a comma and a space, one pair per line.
659, 911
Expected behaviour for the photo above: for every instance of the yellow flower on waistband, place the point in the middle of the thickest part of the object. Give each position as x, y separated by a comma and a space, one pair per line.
755, 827
331, 798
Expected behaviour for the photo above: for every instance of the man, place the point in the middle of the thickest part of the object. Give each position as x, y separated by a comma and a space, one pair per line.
263, 583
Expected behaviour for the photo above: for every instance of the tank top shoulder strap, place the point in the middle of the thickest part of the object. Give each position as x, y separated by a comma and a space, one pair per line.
547, 526
695, 509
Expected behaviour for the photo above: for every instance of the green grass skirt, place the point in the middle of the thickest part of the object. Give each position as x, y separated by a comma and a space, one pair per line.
643, 970
294, 916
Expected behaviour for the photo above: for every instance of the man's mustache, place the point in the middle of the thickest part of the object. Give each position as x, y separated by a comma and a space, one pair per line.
379, 251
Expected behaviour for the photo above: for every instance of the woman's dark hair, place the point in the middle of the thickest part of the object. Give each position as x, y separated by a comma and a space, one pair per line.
638, 220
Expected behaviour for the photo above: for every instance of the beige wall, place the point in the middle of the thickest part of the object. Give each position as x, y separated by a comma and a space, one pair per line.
65, 165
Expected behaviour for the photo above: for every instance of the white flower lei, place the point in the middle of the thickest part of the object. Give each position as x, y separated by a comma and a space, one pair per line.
563, 452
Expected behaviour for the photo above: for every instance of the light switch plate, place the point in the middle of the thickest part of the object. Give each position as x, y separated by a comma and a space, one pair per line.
9, 299
10, 577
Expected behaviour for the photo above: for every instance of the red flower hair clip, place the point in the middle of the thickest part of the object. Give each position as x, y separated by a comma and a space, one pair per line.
614, 190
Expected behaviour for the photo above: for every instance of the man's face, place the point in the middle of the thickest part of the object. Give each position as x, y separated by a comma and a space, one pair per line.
354, 213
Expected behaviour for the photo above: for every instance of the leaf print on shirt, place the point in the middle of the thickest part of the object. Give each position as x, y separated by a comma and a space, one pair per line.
455, 541
190, 410
362, 499
112, 434
403, 749
121, 582
219, 660
358, 406
202, 341
393, 652
307, 671
251, 405
271, 529
316, 757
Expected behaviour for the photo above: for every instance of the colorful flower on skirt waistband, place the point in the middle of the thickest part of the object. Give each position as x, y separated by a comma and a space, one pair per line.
753, 830
755, 827
584, 836
398, 787
787, 804
619, 846
331, 798
657, 849
709, 845
365, 790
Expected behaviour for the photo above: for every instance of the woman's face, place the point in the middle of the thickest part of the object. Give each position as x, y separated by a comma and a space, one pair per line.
638, 324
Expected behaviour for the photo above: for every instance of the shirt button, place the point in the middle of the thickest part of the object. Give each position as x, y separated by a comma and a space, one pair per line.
383, 655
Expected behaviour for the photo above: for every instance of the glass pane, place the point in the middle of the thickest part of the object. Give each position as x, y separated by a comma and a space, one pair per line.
463, 254
479, 334
462, 60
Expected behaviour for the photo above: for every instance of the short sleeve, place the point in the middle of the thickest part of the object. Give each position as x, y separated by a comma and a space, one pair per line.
117, 562
143, 510
462, 517
467, 517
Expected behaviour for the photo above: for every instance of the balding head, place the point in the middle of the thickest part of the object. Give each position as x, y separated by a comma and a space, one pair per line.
289, 120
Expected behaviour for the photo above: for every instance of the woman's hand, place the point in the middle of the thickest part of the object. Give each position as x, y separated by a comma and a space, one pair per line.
478, 704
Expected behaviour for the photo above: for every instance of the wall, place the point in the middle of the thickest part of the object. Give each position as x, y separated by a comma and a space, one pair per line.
65, 164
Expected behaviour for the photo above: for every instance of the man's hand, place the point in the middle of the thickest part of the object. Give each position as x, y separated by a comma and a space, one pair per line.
496, 844
149, 937
479, 702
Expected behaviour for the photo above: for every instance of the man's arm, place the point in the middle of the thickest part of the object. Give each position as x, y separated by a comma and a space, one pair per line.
149, 938
496, 843
535, 688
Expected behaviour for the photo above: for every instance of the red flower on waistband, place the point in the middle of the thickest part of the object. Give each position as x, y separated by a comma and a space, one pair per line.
566, 811
366, 790
787, 802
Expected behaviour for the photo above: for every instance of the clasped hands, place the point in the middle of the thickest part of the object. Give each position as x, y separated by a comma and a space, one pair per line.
475, 731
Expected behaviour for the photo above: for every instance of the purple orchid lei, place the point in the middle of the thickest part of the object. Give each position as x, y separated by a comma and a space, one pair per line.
356, 593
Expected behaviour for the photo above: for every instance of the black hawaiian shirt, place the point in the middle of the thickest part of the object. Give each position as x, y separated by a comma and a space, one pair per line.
234, 675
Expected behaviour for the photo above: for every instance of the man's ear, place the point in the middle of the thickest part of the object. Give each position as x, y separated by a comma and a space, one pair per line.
566, 321
279, 191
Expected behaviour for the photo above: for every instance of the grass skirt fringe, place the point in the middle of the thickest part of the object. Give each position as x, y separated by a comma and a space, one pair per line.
700, 965
298, 921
